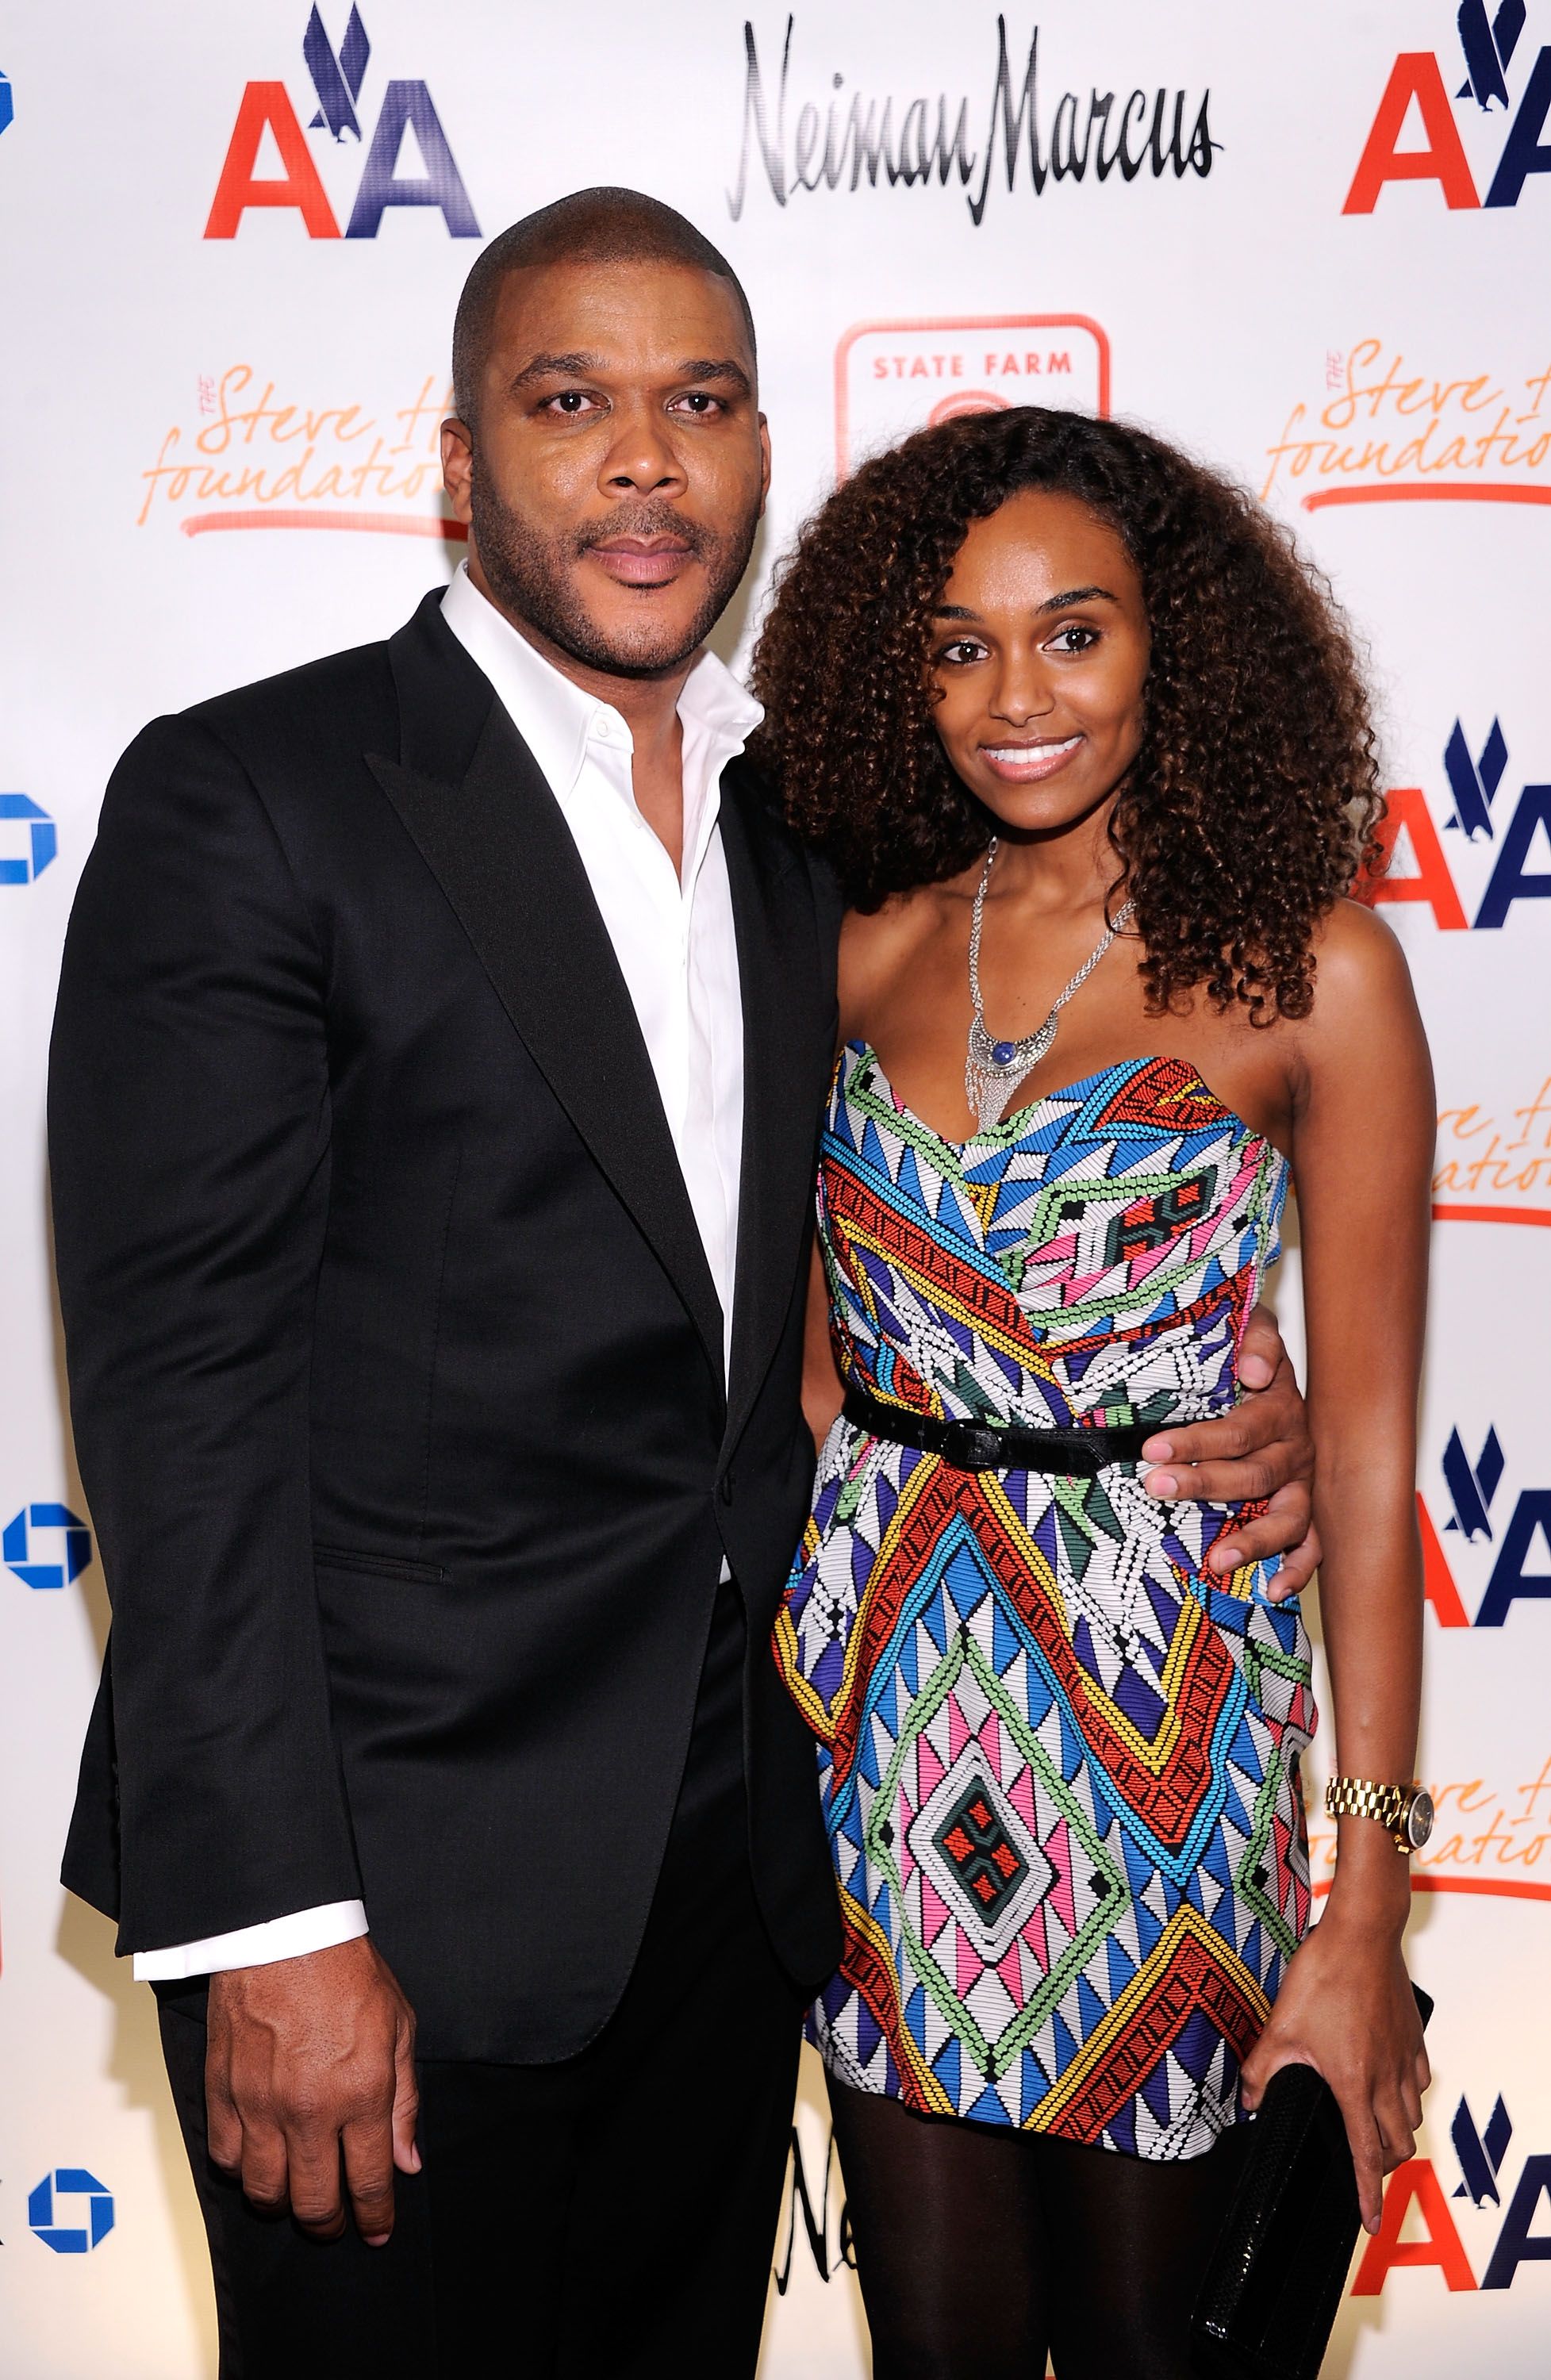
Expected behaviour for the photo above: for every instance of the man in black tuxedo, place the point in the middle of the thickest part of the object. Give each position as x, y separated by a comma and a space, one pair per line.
441, 1039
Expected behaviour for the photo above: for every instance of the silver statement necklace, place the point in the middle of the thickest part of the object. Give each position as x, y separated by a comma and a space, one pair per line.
995, 1069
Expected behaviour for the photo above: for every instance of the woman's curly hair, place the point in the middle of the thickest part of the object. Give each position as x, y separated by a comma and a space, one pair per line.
1254, 800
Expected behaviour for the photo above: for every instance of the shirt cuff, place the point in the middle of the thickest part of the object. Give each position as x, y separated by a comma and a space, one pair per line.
255, 1946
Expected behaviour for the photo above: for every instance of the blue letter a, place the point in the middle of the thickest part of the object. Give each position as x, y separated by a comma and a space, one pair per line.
1515, 2244
1525, 153
1511, 880
1509, 1579
440, 186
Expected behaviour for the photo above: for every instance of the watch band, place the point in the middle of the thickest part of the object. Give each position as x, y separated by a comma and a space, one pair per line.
1404, 1811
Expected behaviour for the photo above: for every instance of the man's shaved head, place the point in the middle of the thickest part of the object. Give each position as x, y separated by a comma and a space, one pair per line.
600, 227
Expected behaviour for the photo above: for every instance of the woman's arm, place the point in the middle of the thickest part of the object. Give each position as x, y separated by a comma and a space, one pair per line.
1362, 1148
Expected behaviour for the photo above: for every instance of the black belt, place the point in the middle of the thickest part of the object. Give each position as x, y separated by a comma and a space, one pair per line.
999, 1446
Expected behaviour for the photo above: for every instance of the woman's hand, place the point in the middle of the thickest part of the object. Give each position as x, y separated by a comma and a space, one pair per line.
1257, 1452
1346, 2009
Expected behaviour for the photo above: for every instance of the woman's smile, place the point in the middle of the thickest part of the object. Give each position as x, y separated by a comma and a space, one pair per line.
1024, 760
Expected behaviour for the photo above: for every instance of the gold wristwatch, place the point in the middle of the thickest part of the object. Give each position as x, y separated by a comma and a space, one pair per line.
1405, 1812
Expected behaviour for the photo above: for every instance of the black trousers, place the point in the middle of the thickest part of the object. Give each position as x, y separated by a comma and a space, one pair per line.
609, 2217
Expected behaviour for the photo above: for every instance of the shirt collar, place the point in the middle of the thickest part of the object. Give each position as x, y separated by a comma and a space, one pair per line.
555, 718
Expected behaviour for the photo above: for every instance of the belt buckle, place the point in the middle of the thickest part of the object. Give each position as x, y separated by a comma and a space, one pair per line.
976, 1447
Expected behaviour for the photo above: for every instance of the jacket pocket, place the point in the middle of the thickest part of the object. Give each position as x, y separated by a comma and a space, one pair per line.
378, 1565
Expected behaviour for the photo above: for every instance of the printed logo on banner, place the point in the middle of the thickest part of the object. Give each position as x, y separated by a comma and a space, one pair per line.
28, 840
823, 2217
7, 110
808, 132
1387, 432
70, 2211
1419, 2228
1506, 857
19, 1545
406, 116
1417, 95
1492, 1834
891, 378
1520, 1555
248, 455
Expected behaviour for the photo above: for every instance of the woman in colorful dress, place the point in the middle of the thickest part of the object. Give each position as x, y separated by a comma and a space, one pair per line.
1087, 746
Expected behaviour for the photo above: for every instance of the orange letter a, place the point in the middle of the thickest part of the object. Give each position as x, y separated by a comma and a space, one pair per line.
1415, 76
1413, 2184
266, 103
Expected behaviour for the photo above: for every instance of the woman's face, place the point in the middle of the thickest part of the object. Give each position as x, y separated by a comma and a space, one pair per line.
1038, 653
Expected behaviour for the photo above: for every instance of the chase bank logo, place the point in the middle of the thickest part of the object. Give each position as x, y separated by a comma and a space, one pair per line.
37, 1530
27, 841
56, 2210
1490, 51
6, 109
337, 77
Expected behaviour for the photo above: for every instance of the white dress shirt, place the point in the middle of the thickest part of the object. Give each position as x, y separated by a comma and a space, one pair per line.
673, 938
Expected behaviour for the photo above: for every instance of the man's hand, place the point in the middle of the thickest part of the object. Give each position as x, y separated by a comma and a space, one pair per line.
311, 2064
1261, 1450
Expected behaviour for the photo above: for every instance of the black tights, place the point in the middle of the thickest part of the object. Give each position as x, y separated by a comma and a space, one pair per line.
979, 2251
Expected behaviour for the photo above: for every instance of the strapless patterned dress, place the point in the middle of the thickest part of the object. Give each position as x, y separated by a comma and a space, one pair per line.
1059, 1758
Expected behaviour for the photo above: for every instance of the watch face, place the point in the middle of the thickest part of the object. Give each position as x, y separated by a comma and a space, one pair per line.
1418, 1819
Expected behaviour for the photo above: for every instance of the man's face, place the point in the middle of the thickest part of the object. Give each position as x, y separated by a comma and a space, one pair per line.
618, 466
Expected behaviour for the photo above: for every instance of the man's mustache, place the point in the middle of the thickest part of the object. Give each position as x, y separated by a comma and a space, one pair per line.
646, 521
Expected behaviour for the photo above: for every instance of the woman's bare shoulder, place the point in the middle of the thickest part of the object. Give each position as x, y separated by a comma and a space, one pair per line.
1356, 951
875, 944
1365, 1026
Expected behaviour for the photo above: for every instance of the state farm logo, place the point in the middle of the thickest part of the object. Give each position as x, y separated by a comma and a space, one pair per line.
892, 378
406, 116
253, 454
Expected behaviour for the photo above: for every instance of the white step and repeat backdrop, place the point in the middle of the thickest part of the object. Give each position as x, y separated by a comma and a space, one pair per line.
1310, 241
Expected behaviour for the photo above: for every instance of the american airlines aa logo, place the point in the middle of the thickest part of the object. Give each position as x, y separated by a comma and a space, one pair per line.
406, 114
1511, 860
1492, 56
1419, 2226
1512, 1533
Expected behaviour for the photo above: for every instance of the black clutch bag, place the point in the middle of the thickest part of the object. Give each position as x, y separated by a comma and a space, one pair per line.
1273, 2289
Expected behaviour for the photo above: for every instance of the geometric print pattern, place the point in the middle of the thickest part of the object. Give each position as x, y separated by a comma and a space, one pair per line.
1059, 1758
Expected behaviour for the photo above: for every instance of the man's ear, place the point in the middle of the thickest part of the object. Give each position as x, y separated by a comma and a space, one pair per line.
457, 466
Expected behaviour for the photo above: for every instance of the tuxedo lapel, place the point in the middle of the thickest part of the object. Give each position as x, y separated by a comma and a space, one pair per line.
786, 1007
474, 801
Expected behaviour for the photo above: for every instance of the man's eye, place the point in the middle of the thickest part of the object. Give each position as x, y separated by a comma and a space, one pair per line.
569, 401
699, 402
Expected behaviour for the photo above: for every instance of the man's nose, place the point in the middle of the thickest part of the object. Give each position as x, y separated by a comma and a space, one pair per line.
641, 455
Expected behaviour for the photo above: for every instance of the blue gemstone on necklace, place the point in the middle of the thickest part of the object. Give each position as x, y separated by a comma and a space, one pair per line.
1003, 1052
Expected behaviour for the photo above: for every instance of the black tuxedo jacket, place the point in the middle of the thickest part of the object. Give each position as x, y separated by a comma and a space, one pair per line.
395, 1363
